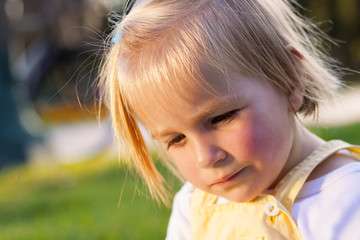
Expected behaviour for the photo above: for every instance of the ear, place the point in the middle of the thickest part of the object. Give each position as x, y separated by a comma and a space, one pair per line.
294, 51
296, 95
296, 99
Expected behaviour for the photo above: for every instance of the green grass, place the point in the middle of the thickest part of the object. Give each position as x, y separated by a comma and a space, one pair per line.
350, 133
80, 201
75, 206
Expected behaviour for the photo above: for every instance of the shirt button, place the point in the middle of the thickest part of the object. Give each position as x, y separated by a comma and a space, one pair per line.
271, 209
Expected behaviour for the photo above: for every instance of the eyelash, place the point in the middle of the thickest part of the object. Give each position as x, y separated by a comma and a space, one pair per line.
175, 140
222, 118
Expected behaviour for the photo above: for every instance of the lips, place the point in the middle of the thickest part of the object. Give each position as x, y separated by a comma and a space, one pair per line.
227, 178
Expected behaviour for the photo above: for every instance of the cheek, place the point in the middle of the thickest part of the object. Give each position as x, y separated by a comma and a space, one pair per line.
246, 143
186, 165
261, 138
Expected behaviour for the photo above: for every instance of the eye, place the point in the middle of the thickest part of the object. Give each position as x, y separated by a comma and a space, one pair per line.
223, 118
176, 140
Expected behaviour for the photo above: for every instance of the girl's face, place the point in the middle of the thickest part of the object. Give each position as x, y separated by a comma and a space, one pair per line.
235, 144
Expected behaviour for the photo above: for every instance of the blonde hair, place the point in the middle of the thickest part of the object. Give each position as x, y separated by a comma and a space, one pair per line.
166, 42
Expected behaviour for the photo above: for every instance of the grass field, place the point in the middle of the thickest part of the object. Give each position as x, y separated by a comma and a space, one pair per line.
350, 134
82, 201
65, 202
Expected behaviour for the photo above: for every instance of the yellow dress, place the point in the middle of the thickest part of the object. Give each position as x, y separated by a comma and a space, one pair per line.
265, 217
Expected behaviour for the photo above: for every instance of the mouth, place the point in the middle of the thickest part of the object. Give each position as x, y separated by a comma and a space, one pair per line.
227, 179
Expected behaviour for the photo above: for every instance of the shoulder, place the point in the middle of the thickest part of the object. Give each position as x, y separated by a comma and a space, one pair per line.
334, 162
329, 207
180, 224
342, 180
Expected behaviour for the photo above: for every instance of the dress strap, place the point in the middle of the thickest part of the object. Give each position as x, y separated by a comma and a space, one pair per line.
288, 188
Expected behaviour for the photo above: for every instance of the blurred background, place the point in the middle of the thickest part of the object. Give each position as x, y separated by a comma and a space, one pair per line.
59, 176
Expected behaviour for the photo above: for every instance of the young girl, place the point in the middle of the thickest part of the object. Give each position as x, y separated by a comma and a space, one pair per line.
219, 84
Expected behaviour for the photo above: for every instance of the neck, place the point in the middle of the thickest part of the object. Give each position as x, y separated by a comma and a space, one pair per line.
304, 142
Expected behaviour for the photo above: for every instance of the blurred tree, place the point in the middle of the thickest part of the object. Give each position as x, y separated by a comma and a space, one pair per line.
13, 138
341, 20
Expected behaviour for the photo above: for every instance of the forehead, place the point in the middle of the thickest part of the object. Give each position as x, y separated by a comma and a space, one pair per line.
192, 101
186, 91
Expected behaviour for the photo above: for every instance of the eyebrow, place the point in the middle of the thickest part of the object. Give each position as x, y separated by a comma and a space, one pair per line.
206, 110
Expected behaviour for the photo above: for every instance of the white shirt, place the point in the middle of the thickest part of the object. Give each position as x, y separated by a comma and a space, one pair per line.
327, 208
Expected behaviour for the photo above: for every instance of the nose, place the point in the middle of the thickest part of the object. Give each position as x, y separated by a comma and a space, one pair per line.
208, 152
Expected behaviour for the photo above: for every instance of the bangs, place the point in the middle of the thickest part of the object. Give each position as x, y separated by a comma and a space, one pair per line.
167, 71
168, 49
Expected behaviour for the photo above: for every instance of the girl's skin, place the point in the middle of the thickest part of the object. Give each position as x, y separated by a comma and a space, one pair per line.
236, 144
